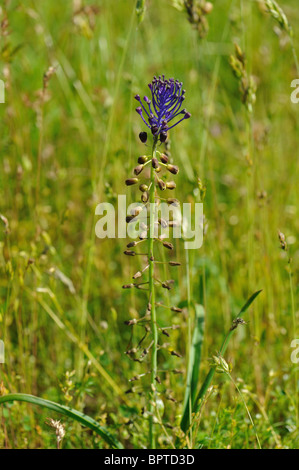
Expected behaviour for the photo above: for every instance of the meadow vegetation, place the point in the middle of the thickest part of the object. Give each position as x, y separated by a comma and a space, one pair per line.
69, 140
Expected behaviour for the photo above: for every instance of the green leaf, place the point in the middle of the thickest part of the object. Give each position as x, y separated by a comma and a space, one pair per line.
65, 410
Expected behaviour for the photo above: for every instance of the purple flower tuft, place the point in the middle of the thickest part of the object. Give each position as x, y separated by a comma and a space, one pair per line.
166, 103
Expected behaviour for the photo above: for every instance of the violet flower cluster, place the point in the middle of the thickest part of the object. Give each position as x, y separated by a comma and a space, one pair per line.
165, 105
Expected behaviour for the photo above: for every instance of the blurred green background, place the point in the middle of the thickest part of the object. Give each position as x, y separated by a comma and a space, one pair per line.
69, 139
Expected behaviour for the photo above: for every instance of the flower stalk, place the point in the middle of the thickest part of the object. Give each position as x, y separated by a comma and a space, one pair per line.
152, 300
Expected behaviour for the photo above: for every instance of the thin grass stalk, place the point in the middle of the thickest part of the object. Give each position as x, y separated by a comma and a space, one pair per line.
208, 380
97, 188
246, 407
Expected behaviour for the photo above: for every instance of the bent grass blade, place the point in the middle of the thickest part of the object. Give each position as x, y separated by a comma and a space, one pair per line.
65, 410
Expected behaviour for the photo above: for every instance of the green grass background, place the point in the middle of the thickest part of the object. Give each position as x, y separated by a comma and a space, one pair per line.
86, 138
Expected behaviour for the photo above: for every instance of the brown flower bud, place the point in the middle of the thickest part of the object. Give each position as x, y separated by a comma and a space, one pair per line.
165, 286
144, 197
173, 201
131, 181
138, 169
142, 159
170, 185
168, 245
129, 253
155, 163
162, 185
164, 158
173, 169
131, 244
174, 263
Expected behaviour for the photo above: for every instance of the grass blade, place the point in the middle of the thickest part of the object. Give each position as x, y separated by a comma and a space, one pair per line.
193, 365
65, 410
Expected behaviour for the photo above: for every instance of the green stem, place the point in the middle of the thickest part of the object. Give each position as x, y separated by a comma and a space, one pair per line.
154, 329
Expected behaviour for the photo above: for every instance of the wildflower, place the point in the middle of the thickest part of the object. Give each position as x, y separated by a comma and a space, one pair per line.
166, 103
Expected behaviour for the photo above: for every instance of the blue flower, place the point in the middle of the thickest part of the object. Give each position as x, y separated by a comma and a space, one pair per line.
166, 103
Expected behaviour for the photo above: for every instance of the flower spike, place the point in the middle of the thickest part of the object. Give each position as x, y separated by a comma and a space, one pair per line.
165, 105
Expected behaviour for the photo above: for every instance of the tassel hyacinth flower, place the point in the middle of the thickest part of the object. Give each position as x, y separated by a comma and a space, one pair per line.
160, 114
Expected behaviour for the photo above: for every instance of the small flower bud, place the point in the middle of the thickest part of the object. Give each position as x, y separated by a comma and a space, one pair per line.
142, 159
129, 218
207, 8
136, 377
164, 158
129, 323
143, 136
162, 185
138, 169
129, 253
143, 235
282, 240
163, 136
127, 286
174, 263
144, 197
168, 245
165, 286
154, 128
131, 181
131, 244
143, 187
173, 201
137, 275
176, 309
174, 353
170, 185
163, 222
173, 169
136, 211
155, 162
